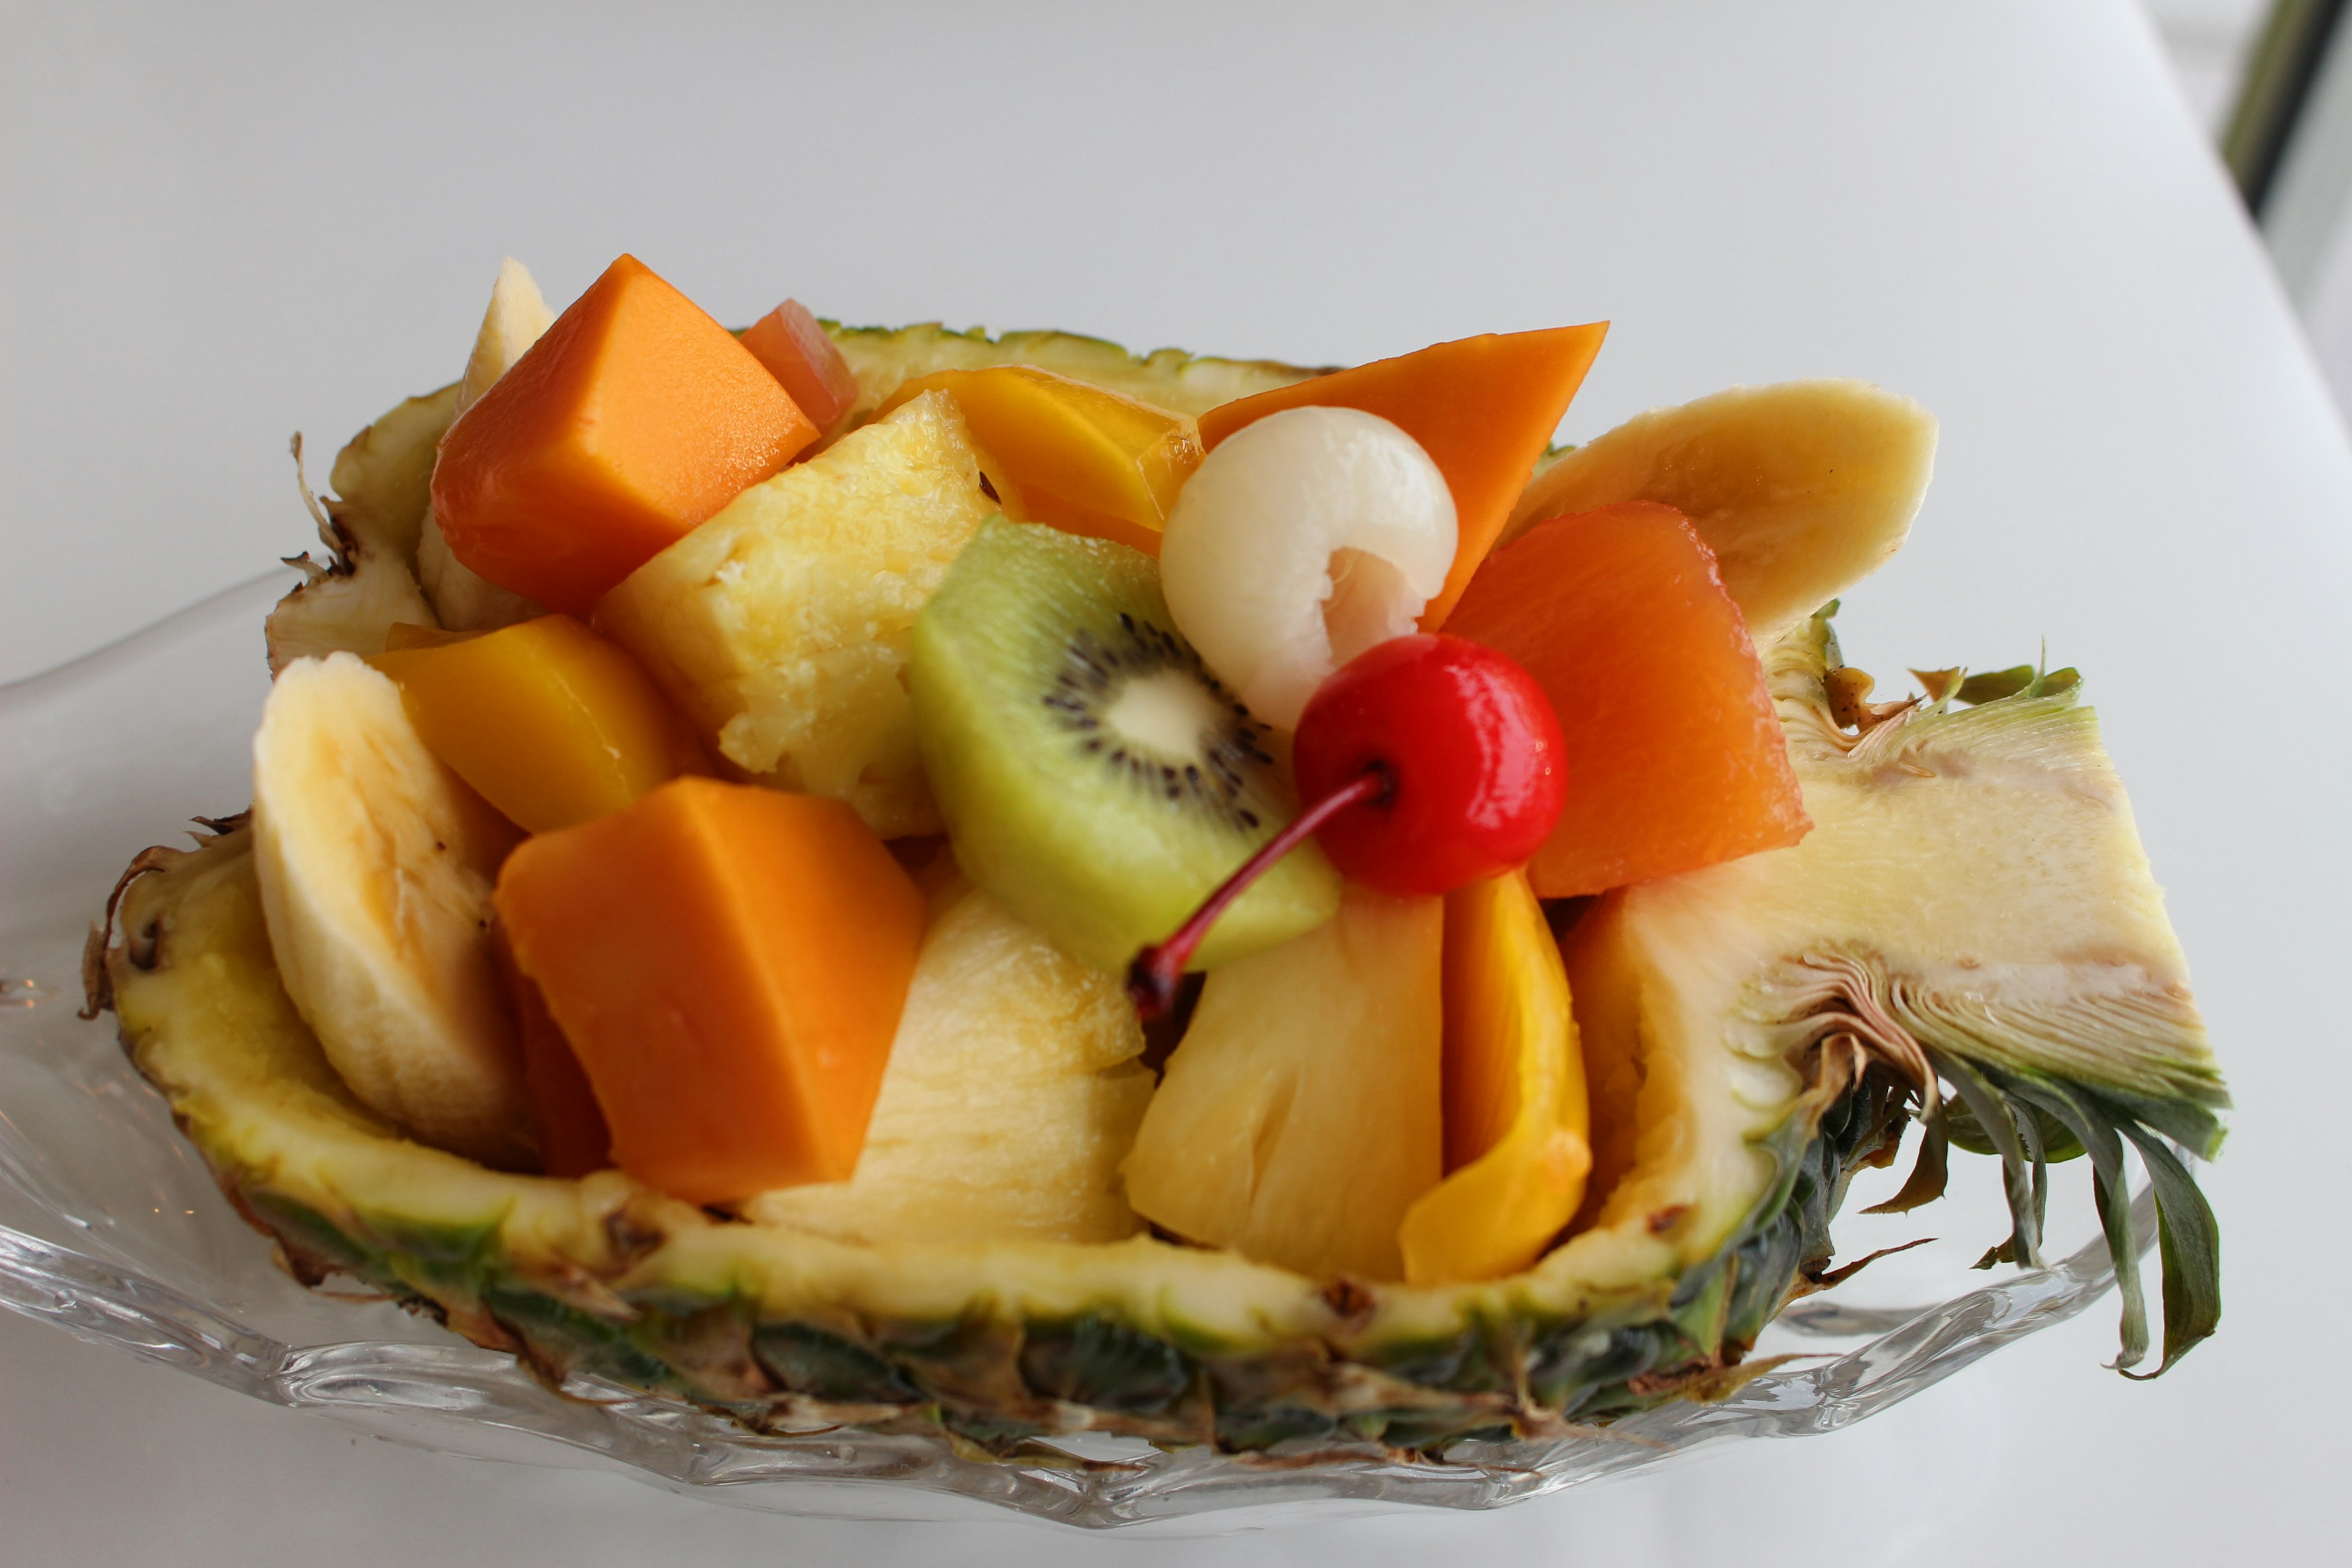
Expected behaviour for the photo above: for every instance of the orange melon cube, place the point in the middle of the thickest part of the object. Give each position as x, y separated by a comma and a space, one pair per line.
729, 963
1083, 458
635, 418
794, 345
1674, 757
1484, 408
549, 723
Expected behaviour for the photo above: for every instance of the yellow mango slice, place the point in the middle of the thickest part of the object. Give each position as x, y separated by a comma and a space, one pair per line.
549, 723
1059, 451
1516, 1130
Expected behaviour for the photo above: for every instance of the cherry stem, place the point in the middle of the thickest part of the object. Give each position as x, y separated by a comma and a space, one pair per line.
1152, 978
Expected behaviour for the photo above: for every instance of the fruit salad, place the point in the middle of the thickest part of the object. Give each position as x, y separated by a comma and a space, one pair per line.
994, 887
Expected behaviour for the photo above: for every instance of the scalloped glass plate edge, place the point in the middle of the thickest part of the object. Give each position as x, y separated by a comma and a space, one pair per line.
451, 1397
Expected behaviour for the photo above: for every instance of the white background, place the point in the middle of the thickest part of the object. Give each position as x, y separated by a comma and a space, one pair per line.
221, 224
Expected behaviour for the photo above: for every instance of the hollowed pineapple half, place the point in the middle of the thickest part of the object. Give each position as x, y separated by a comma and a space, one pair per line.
1972, 906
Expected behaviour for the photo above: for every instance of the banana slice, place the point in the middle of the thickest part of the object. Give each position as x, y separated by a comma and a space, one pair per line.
463, 600
376, 865
1801, 489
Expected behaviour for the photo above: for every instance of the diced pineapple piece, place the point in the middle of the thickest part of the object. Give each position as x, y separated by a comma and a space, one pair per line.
780, 626
1012, 1093
1302, 1114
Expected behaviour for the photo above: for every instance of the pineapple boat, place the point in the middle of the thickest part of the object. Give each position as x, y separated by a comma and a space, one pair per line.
698, 838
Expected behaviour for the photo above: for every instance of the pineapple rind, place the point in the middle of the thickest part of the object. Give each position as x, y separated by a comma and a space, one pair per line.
373, 520
884, 358
987, 1343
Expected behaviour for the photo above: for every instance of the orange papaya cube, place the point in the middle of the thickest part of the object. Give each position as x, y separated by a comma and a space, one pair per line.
798, 353
549, 723
633, 418
1484, 408
1675, 758
729, 963
572, 1138
1083, 458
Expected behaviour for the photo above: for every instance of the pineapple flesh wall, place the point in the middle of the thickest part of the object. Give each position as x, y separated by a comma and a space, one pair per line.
1012, 1091
1301, 1115
780, 624
1973, 903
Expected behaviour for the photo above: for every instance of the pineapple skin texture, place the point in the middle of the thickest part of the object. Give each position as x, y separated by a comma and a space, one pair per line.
780, 626
1013, 1091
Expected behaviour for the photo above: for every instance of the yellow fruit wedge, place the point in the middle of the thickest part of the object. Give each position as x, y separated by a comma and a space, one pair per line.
369, 527
1300, 1117
1515, 1114
1801, 489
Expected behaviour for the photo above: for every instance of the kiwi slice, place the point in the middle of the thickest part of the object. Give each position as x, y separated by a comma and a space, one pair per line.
1094, 775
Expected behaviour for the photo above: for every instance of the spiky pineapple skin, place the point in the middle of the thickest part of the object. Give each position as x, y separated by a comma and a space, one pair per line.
977, 1344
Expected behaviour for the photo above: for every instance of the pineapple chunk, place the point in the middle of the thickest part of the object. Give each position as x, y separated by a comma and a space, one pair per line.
1301, 1116
780, 626
1013, 1091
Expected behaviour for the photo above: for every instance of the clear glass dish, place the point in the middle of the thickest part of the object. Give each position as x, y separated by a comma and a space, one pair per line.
112, 1228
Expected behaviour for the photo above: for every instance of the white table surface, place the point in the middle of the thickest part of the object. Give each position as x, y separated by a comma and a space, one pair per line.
224, 223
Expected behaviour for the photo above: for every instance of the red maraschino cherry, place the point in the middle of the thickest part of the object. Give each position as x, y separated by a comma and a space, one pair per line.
1428, 763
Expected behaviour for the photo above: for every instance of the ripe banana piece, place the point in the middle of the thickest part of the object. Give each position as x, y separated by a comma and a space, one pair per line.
1801, 489
376, 865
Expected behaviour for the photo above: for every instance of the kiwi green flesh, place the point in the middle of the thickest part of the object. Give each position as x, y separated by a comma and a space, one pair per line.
1094, 776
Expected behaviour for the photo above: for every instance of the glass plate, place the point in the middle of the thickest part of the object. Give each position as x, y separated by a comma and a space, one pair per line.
112, 1228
